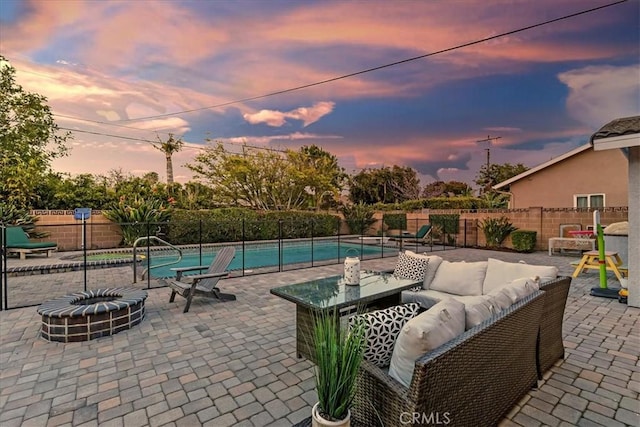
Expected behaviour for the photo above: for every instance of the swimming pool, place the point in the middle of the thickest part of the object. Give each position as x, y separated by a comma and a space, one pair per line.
269, 255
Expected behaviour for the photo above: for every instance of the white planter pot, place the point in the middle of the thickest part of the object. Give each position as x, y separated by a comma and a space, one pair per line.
318, 421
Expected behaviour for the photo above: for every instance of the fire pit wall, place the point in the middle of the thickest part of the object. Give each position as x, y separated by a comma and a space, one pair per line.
93, 314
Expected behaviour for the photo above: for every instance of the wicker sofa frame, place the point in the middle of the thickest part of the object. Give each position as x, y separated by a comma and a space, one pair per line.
474, 379
550, 346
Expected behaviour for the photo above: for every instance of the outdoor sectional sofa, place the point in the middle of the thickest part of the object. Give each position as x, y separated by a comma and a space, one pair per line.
478, 376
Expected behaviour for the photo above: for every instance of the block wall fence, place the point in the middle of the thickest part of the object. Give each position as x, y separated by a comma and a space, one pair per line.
545, 222
103, 234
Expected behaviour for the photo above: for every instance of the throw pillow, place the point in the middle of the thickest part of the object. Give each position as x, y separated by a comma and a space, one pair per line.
382, 329
411, 267
434, 263
499, 273
460, 278
427, 331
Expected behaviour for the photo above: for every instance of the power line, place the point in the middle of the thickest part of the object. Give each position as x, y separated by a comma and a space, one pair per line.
380, 67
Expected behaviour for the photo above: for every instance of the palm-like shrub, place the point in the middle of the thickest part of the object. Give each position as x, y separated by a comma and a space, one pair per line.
359, 217
496, 230
11, 215
137, 215
338, 352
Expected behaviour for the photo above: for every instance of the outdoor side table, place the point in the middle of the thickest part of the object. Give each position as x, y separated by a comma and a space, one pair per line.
376, 290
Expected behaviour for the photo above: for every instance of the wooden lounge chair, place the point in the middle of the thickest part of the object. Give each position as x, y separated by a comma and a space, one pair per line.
18, 242
203, 284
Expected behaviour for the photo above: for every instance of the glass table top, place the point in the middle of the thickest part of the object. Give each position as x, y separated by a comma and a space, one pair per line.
333, 292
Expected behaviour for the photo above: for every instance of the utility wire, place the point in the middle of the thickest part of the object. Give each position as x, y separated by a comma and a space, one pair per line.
380, 67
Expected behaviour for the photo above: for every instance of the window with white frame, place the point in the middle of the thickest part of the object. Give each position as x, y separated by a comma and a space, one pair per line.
588, 200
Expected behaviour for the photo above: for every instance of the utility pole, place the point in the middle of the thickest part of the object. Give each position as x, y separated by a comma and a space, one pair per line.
489, 140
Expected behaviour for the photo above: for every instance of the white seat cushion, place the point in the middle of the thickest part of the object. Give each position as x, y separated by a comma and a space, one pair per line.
427, 331
460, 278
499, 273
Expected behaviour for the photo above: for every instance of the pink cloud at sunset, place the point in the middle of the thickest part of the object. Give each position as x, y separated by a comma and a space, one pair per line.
123, 74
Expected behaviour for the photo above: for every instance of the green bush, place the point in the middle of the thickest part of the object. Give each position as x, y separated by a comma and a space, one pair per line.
12, 215
234, 224
359, 217
461, 202
395, 221
135, 214
524, 240
445, 223
496, 230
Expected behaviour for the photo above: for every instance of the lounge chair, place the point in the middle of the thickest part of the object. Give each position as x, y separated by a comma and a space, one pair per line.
18, 242
419, 237
203, 284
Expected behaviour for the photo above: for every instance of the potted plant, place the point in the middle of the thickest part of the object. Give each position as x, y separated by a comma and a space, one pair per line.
338, 354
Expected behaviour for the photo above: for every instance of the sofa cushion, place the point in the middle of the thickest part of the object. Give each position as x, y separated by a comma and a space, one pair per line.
434, 263
499, 273
480, 310
501, 298
521, 288
460, 278
427, 331
411, 267
382, 329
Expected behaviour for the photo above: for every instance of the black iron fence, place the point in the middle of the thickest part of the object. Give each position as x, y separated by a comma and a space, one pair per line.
141, 255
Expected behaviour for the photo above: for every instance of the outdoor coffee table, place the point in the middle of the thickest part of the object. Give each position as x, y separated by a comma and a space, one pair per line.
376, 290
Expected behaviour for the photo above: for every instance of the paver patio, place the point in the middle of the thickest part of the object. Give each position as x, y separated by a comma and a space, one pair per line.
233, 363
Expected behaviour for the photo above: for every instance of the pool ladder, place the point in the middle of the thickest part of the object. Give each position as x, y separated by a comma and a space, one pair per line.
146, 270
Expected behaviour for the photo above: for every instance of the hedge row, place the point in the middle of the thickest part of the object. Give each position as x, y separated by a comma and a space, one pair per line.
434, 203
236, 224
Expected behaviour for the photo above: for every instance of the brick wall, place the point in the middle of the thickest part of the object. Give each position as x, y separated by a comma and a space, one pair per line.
103, 234
545, 221
66, 231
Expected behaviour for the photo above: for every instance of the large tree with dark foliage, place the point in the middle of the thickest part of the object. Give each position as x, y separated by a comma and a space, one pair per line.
29, 140
385, 185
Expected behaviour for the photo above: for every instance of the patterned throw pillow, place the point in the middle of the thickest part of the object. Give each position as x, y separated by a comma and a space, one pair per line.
383, 327
411, 267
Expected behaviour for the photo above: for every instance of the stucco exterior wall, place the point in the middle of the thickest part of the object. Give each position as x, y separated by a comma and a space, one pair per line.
634, 227
587, 172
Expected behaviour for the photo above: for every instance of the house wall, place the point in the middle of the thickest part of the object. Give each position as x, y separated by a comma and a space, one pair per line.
587, 172
634, 227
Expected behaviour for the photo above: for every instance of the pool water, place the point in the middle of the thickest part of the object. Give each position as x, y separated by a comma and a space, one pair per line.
257, 256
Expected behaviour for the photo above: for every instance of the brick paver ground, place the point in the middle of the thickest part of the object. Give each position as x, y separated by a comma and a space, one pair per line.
233, 363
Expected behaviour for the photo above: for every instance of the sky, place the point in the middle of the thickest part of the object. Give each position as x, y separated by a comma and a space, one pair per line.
123, 73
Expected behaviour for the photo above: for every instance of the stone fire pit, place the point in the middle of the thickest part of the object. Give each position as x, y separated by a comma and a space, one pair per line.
93, 314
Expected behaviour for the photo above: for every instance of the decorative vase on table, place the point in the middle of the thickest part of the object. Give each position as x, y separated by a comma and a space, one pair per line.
352, 269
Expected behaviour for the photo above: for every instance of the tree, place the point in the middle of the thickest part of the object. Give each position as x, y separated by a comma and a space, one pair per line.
385, 185
446, 189
319, 170
495, 174
29, 140
169, 147
268, 179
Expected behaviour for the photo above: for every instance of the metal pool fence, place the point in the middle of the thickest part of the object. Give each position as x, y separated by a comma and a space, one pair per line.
97, 255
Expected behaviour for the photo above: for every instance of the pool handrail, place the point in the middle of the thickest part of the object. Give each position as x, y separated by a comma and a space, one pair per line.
146, 270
